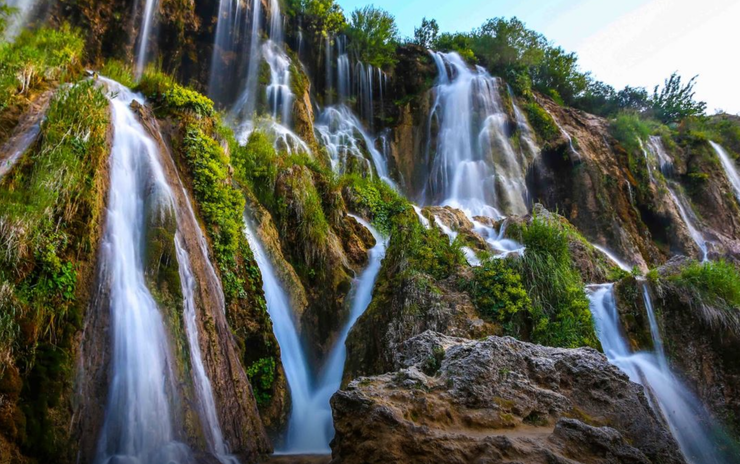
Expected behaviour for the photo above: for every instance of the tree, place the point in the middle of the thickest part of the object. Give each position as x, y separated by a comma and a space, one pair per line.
675, 102
426, 35
373, 35
633, 98
319, 17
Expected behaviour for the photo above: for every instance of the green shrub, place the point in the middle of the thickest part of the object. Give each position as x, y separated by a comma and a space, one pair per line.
497, 290
378, 198
629, 129
256, 164
168, 96
262, 377
373, 36
560, 314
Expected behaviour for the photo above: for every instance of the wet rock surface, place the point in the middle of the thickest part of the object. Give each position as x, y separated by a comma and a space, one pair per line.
497, 400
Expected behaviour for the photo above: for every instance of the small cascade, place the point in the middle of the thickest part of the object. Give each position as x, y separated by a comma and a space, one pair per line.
470, 255
344, 136
424, 221
145, 32
497, 241
230, 41
23, 12
243, 110
138, 419
699, 439
613, 258
24, 135
730, 168
655, 145
473, 160
310, 425
526, 133
204, 391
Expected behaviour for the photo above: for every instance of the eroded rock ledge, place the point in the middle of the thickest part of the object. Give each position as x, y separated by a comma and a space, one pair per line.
497, 400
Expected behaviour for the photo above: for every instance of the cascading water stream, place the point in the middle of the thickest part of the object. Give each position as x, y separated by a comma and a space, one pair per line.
229, 42
699, 439
730, 168
24, 135
473, 152
202, 383
310, 426
138, 421
147, 24
243, 110
655, 146
613, 258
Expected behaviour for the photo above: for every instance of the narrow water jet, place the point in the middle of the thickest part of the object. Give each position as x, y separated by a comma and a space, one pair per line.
24, 135
729, 166
699, 438
613, 258
145, 32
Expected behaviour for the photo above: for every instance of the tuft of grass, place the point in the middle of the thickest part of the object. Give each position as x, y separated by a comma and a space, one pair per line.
37, 57
167, 96
120, 72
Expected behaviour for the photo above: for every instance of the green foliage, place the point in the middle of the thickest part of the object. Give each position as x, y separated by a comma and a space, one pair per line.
319, 18
456, 42
256, 164
36, 57
50, 210
559, 314
675, 102
541, 121
714, 283
433, 363
168, 96
497, 290
5, 13
373, 36
379, 199
119, 72
262, 377
629, 129
426, 35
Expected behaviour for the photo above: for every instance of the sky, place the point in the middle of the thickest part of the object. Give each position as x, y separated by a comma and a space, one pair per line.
621, 42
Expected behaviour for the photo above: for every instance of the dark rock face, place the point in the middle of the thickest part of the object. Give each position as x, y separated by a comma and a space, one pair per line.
497, 400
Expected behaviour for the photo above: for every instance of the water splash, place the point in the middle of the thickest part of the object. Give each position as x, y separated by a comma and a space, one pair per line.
687, 419
729, 166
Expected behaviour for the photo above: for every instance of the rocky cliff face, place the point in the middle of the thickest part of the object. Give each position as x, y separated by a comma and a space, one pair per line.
497, 400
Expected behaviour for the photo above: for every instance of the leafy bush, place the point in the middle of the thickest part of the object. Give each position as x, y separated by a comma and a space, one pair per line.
629, 129
373, 36
262, 377
560, 314
497, 290
378, 198
319, 18
36, 57
256, 164
168, 96
675, 102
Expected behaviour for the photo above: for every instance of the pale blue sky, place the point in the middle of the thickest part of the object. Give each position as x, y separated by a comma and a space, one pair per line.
635, 42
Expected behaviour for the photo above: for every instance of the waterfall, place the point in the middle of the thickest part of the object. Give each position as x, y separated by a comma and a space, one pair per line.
138, 421
343, 135
687, 419
613, 258
227, 47
729, 166
310, 426
243, 110
468, 252
202, 383
16, 23
147, 24
473, 155
655, 145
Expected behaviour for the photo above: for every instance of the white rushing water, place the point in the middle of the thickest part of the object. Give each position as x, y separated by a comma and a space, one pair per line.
613, 258
473, 158
229, 47
686, 417
730, 168
656, 148
16, 146
202, 383
243, 110
23, 11
138, 424
145, 32
310, 426
138, 421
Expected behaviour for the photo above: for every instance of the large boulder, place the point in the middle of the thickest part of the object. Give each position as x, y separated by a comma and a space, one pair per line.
497, 400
